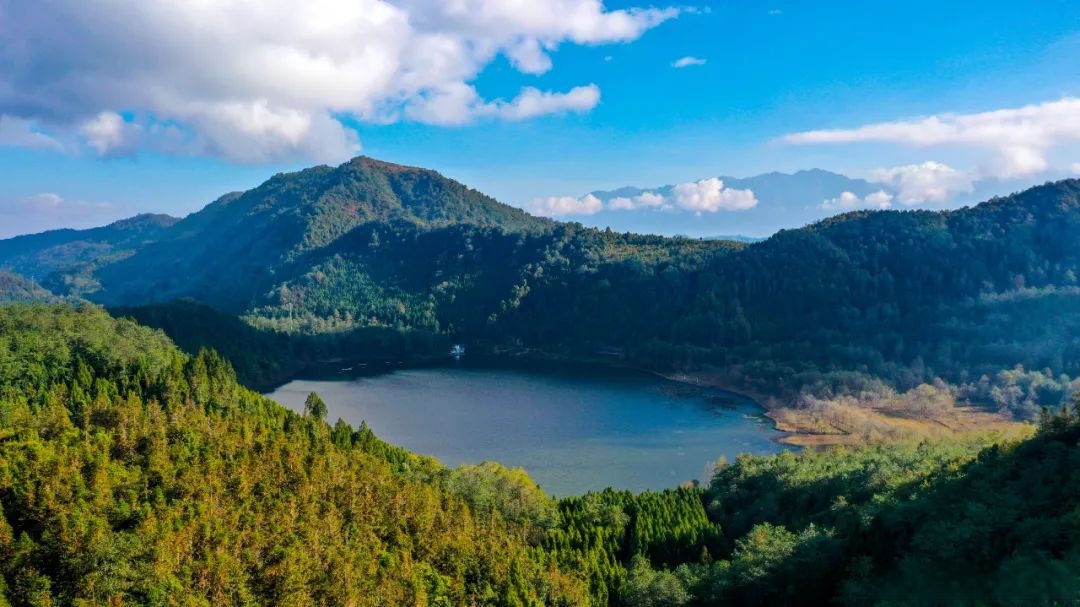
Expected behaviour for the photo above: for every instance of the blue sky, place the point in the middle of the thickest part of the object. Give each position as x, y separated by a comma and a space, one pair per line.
108, 148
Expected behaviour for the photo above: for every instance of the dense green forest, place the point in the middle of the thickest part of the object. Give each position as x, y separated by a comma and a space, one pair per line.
374, 259
132, 473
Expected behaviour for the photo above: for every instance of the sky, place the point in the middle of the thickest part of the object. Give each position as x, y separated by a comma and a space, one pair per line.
110, 109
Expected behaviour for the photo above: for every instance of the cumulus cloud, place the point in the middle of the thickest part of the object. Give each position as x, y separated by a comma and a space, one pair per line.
561, 206
710, 195
929, 182
46, 210
1017, 139
1075, 168
704, 196
688, 62
109, 134
847, 201
645, 200
459, 104
233, 79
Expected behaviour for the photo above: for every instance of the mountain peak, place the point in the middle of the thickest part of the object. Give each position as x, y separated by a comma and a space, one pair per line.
375, 164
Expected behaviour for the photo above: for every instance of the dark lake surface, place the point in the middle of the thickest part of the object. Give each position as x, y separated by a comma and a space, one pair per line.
574, 430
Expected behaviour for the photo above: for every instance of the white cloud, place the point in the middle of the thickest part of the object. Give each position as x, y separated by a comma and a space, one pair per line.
847, 201
1075, 168
929, 182
649, 199
109, 133
644, 200
879, 199
16, 132
460, 104
710, 195
235, 79
688, 62
534, 102
560, 206
1017, 138
48, 210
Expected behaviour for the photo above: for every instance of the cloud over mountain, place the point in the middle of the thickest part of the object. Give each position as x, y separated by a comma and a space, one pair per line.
704, 196
236, 80
929, 182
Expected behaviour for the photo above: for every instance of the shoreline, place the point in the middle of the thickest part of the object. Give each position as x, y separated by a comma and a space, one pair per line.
835, 425
791, 435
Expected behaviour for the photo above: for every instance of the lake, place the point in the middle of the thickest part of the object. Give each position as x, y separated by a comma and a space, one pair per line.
574, 430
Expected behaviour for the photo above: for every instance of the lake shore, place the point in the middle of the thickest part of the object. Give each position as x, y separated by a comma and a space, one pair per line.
836, 424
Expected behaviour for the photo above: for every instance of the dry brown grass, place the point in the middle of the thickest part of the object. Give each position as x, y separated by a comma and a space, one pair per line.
926, 412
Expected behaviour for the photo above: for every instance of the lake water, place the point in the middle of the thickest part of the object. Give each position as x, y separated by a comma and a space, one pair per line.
574, 431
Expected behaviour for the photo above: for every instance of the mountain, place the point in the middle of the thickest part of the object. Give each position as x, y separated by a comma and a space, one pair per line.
784, 201
38, 255
18, 289
229, 253
842, 305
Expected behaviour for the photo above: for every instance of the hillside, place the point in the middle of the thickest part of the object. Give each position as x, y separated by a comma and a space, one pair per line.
844, 304
229, 253
18, 289
131, 473
38, 255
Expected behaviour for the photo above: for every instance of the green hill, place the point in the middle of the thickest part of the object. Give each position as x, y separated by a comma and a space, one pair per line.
38, 255
132, 474
18, 289
229, 253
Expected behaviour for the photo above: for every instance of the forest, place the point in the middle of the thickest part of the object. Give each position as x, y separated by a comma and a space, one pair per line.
132, 473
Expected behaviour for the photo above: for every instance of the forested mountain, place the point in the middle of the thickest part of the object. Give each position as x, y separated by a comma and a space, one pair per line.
901, 296
381, 257
19, 289
38, 255
131, 473
230, 253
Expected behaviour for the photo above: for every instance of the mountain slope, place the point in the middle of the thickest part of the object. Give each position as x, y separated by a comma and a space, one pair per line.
131, 474
228, 253
17, 289
904, 297
38, 255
